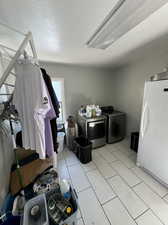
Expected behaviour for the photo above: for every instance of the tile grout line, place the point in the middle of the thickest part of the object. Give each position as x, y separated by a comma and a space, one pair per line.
125, 206
138, 196
142, 214
116, 195
132, 188
101, 173
149, 206
123, 178
100, 203
93, 191
111, 154
89, 170
84, 189
135, 192
164, 196
148, 184
124, 163
109, 187
71, 182
157, 217
141, 181
73, 165
75, 190
94, 194
83, 220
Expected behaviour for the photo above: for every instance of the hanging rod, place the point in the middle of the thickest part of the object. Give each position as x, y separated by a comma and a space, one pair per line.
10, 49
7, 57
14, 74
11, 28
5, 94
10, 85
6, 54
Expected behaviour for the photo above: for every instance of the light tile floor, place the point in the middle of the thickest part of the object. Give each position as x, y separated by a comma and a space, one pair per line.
112, 190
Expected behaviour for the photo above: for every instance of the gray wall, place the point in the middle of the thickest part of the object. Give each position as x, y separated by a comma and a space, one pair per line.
122, 87
129, 86
83, 85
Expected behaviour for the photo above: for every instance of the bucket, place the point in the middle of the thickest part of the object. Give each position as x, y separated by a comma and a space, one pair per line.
60, 139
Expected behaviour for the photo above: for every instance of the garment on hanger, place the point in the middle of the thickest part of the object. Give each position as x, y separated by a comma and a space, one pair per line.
53, 124
48, 131
51, 91
32, 101
6, 159
56, 106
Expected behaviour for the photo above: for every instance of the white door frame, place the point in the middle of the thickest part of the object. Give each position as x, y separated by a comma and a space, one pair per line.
62, 93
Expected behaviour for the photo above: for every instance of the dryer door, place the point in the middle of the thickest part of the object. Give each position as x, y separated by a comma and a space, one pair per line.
116, 129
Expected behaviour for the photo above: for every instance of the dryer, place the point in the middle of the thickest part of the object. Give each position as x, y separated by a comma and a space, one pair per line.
116, 125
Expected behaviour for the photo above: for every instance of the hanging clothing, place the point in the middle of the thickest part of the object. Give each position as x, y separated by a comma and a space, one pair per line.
32, 101
53, 124
19, 139
56, 106
51, 91
6, 159
48, 131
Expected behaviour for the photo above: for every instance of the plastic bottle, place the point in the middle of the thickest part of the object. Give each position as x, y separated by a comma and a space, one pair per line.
65, 188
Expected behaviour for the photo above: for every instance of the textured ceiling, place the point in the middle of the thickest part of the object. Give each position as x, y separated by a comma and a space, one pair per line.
61, 29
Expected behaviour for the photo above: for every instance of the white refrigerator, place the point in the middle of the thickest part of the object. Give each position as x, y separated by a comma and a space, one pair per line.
153, 141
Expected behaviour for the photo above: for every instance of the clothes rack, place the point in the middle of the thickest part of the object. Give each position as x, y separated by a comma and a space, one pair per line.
11, 28
6, 47
28, 40
6, 113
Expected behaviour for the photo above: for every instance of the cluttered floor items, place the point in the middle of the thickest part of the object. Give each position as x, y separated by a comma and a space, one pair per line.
45, 200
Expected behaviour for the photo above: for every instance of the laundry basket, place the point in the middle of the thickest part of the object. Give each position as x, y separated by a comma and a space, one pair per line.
46, 218
42, 219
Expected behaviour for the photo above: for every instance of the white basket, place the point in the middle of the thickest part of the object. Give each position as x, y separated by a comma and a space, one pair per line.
40, 200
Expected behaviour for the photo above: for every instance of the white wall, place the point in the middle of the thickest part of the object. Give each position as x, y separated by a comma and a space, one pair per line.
129, 85
83, 85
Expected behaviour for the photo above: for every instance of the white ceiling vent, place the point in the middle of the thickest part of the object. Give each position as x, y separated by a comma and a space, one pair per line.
124, 16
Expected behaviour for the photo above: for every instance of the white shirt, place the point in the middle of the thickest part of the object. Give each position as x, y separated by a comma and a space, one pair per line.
31, 100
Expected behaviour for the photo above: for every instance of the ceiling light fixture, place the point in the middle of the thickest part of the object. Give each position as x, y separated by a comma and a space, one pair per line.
125, 15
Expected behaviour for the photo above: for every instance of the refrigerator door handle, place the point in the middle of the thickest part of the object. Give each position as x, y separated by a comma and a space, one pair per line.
145, 120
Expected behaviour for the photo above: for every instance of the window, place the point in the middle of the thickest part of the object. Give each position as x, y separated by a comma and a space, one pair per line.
58, 85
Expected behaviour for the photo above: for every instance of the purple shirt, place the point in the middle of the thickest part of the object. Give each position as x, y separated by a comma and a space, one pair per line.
48, 132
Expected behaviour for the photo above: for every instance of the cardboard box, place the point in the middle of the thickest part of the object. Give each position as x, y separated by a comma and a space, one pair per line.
28, 171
